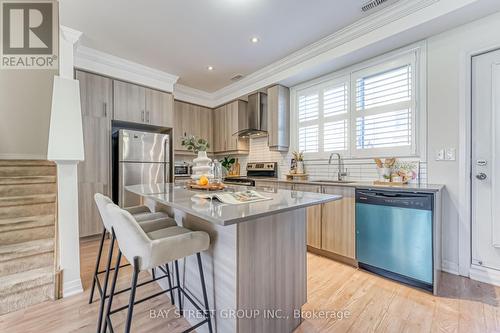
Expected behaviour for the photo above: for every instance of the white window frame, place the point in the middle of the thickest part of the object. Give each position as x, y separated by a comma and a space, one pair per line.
320, 121
416, 53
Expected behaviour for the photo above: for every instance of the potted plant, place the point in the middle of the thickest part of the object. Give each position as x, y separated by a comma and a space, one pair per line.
194, 144
299, 160
227, 162
202, 162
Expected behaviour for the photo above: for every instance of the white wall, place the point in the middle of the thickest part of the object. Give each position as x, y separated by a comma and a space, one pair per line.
447, 64
25, 101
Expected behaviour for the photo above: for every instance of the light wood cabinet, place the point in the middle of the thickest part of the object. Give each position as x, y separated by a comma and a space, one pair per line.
338, 222
313, 216
129, 102
227, 121
159, 108
96, 94
190, 119
137, 104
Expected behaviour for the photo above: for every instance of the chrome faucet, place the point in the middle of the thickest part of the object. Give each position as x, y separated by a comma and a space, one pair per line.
342, 173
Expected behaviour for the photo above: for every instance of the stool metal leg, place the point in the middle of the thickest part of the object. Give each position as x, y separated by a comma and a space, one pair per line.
98, 261
132, 295
205, 297
170, 284
112, 293
178, 286
106, 278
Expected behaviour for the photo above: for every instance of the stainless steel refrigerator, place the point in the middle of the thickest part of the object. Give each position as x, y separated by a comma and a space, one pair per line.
143, 158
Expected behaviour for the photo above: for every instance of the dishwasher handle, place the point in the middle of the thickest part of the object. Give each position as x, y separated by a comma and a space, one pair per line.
396, 199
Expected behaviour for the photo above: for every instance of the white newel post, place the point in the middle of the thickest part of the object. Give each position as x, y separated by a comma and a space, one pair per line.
66, 150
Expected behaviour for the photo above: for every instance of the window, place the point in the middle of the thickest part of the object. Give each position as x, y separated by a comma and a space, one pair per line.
323, 118
366, 113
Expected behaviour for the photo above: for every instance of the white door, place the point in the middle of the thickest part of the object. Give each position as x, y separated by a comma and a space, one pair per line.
486, 160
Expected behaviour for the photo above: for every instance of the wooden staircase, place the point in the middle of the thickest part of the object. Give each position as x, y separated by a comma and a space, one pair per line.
28, 193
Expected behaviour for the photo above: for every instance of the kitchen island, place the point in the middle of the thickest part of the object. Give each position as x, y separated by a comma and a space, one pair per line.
255, 268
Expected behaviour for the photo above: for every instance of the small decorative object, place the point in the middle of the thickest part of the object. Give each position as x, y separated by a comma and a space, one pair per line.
202, 162
299, 160
293, 166
384, 169
407, 171
227, 162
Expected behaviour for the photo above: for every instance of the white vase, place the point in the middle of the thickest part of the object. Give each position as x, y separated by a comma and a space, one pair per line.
201, 166
300, 167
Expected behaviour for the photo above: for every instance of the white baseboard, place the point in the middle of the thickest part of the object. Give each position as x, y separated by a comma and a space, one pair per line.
484, 274
449, 267
71, 288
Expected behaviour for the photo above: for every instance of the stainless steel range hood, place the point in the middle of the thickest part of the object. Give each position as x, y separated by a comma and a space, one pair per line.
256, 116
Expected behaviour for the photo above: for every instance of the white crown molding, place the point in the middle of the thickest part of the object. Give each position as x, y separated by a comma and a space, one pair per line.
96, 61
388, 22
192, 95
70, 35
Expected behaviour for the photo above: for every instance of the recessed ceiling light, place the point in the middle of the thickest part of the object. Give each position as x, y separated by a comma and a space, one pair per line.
210, 68
254, 40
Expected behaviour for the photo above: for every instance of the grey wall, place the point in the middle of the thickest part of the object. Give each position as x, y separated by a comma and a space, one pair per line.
446, 54
25, 102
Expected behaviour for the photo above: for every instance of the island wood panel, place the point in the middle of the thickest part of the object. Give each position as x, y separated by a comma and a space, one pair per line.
272, 271
338, 222
96, 94
219, 268
129, 102
159, 108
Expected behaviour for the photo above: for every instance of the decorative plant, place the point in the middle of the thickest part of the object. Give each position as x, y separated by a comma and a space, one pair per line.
194, 144
227, 162
298, 156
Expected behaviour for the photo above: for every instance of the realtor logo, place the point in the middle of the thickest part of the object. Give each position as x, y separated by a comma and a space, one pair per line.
29, 35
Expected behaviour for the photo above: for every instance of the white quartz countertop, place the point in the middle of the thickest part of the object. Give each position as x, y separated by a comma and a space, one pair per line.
178, 197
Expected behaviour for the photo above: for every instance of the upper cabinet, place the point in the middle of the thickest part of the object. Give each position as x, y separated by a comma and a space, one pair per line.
190, 119
143, 105
159, 108
278, 118
227, 121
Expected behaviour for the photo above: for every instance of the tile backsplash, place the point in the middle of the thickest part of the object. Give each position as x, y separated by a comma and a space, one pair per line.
357, 169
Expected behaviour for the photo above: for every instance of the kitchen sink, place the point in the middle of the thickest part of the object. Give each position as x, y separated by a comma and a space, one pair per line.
333, 181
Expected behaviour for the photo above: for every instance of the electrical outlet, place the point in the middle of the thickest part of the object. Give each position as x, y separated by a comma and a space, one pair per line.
451, 154
440, 155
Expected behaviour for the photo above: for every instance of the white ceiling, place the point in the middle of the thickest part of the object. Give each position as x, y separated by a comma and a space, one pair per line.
183, 37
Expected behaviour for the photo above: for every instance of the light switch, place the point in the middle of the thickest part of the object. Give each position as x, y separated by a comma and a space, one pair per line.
440, 155
451, 154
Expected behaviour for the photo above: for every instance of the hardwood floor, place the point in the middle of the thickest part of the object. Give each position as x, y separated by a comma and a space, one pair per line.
366, 302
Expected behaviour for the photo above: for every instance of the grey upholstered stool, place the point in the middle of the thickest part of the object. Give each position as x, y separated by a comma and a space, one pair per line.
147, 250
145, 219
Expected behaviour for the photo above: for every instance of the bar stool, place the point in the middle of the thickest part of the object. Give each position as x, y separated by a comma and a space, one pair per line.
146, 220
147, 250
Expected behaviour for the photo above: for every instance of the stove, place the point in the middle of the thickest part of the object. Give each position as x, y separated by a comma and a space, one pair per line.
255, 170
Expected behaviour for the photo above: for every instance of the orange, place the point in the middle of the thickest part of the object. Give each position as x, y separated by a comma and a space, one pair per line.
203, 181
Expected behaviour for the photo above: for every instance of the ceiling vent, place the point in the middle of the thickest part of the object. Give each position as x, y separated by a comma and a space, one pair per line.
237, 77
369, 5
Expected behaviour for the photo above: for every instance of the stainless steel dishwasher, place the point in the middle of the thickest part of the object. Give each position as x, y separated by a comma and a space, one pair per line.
394, 235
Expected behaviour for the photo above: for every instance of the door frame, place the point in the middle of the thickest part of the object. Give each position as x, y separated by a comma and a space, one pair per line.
465, 162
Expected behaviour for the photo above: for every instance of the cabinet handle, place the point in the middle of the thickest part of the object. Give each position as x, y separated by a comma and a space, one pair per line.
142, 115
105, 109
147, 117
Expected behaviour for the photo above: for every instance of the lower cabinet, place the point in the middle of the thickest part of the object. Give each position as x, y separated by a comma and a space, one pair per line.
338, 232
331, 226
313, 216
